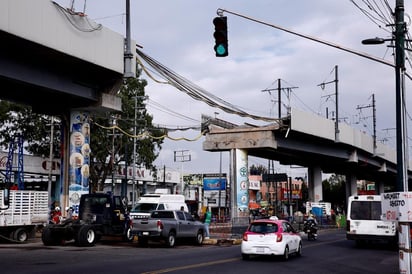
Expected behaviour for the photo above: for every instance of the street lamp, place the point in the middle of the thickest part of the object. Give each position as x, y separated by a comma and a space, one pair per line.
375, 41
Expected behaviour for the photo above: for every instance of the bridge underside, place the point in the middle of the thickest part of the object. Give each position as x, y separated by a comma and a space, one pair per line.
50, 81
294, 148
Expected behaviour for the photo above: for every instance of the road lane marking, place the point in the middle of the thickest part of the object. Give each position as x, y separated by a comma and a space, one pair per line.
171, 269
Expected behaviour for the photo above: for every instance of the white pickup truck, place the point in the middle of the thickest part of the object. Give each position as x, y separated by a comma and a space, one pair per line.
167, 226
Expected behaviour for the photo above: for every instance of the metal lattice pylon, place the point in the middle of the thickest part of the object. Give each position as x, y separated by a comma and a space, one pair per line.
9, 164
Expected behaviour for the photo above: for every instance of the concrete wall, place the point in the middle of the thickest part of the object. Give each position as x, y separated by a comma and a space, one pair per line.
46, 23
316, 125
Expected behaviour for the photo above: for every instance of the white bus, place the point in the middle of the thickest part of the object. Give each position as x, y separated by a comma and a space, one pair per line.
364, 223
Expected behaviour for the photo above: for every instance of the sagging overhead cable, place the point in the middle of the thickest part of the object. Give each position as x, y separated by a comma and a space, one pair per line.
195, 91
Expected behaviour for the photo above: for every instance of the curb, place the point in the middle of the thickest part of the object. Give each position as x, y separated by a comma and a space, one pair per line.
222, 242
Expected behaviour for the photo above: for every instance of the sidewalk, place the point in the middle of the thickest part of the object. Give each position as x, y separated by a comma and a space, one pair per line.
223, 240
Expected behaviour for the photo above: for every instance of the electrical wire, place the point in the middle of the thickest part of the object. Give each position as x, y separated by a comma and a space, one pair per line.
193, 90
146, 134
73, 18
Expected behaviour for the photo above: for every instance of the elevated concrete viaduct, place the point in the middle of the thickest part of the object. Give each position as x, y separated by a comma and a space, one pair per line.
61, 63
309, 140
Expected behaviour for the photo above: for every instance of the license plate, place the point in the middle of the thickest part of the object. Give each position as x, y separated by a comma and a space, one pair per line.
145, 233
260, 250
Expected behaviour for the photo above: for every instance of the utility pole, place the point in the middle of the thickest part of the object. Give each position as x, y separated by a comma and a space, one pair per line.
128, 56
49, 184
134, 154
112, 157
373, 106
113, 154
220, 184
322, 85
401, 136
280, 89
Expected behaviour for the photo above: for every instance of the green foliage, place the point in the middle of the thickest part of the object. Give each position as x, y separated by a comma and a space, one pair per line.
103, 140
16, 119
257, 170
334, 190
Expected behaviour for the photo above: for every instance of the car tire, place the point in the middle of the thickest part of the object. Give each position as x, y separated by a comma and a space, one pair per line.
299, 251
286, 254
199, 238
171, 239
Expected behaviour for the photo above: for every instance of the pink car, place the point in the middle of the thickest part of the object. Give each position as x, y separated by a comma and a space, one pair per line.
271, 237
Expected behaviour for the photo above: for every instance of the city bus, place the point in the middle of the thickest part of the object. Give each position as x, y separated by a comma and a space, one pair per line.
364, 222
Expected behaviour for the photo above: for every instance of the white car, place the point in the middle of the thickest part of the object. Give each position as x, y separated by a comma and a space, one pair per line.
271, 237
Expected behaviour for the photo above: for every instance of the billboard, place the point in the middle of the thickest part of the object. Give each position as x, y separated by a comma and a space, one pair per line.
214, 183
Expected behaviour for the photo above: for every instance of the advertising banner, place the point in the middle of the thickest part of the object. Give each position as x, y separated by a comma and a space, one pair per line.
79, 157
242, 180
214, 183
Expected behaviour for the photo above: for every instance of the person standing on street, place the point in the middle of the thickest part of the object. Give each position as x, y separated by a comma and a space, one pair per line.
208, 218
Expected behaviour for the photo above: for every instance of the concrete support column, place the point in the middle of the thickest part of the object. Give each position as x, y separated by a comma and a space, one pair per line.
351, 185
240, 175
379, 187
315, 184
240, 190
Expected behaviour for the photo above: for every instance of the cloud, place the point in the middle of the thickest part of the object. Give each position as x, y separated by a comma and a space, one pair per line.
179, 34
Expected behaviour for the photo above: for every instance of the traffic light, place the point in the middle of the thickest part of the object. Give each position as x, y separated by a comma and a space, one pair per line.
220, 34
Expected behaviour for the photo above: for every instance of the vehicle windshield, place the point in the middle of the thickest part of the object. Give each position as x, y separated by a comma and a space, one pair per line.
143, 207
95, 204
366, 210
263, 228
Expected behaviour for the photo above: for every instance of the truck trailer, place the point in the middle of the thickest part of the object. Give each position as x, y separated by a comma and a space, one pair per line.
25, 212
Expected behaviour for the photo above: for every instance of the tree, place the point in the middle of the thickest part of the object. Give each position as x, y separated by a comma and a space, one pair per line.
257, 170
104, 138
34, 128
334, 190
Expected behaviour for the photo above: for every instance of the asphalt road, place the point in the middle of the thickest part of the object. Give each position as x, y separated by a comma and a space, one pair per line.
331, 253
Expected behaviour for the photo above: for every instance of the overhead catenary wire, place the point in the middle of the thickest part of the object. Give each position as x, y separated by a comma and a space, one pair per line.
162, 108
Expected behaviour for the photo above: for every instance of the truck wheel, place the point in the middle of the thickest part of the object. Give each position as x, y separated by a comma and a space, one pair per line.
199, 238
171, 239
48, 238
20, 235
128, 235
86, 236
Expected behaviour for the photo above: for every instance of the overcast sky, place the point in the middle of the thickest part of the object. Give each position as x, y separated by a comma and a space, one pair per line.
179, 34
